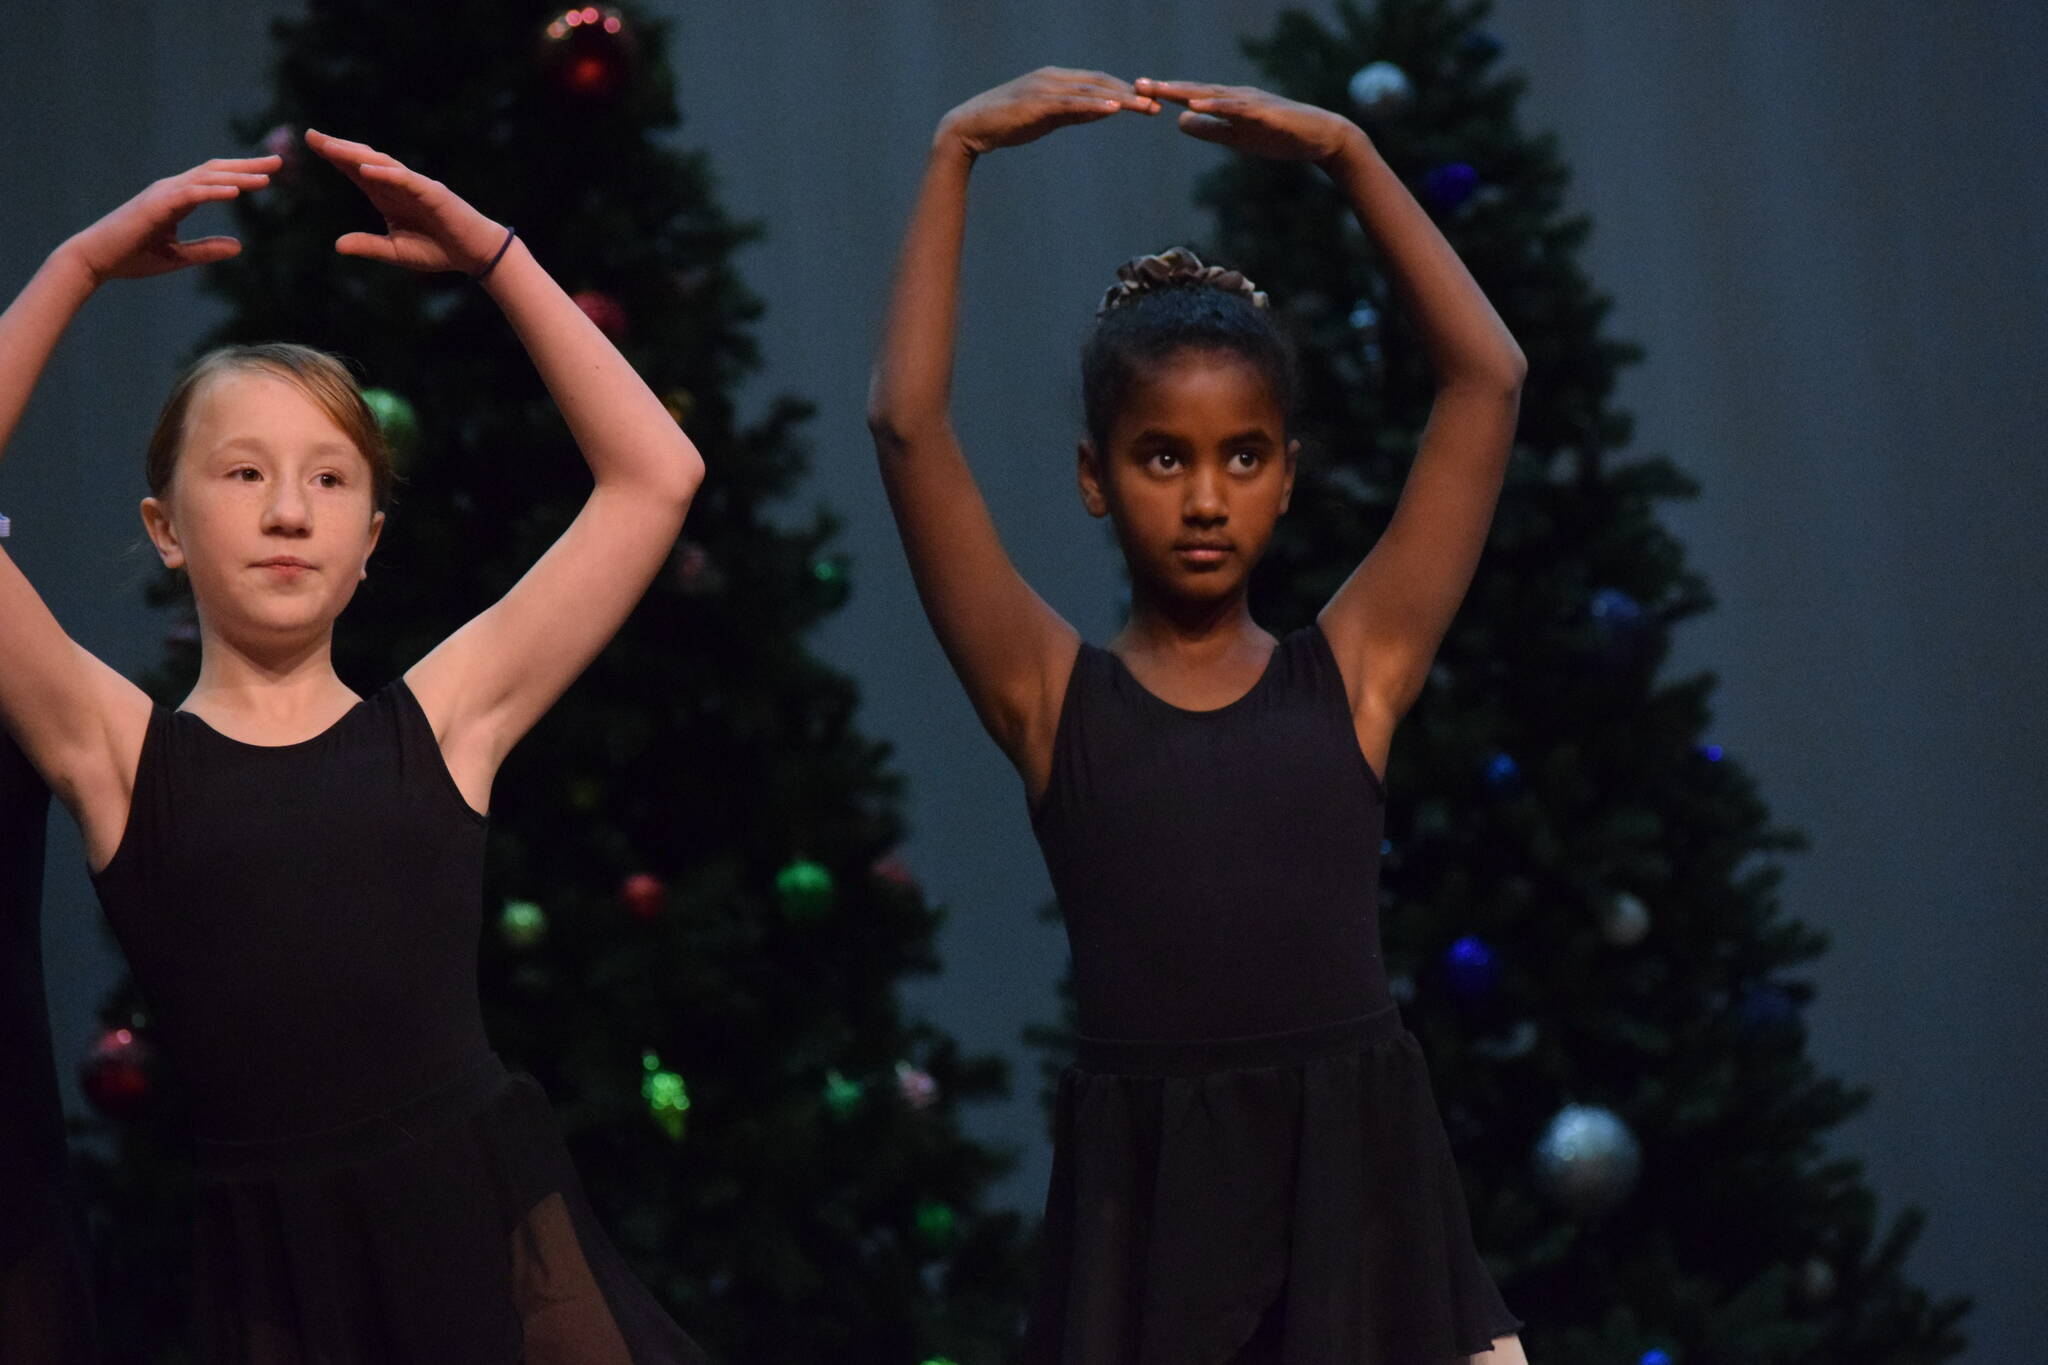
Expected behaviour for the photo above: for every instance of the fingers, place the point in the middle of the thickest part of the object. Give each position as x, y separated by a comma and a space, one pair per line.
370, 246
348, 155
1101, 85
260, 165
1209, 128
1180, 92
205, 250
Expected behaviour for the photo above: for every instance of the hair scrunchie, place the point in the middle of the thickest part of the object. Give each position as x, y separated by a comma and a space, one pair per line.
1174, 268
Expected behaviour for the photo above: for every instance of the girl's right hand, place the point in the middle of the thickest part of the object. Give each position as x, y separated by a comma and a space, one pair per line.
1026, 109
140, 238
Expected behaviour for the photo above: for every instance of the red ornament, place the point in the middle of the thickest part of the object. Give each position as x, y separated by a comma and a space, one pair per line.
644, 895
891, 871
118, 1075
604, 310
589, 52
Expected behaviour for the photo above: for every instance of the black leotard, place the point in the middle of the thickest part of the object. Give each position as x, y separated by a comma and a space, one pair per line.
303, 920
1248, 1163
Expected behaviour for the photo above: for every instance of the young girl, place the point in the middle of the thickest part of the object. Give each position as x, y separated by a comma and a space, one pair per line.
1248, 1164
295, 871
45, 1302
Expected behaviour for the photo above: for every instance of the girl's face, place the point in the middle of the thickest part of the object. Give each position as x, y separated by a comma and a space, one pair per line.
1197, 471
269, 512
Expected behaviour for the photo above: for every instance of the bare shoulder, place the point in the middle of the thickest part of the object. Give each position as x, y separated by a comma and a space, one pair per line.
95, 780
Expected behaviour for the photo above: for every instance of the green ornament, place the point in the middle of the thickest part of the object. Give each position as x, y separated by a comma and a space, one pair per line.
668, 1099
396, 417
941, 1360
842, 1096
522, 924
804, 890
936, 1222
835, 581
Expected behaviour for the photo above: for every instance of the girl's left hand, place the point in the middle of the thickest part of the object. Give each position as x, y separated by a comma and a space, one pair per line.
427, 226
1251, 120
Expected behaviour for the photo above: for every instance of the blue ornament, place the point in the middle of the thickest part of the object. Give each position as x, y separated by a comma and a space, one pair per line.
1767, 1012
1472, 968
1450, 185
1503, 773
1616, 610
1483, 45
1655, 1356
1626, 630
1711, 752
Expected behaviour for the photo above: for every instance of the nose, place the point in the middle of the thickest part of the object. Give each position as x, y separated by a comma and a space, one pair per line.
1205, 501
286, 511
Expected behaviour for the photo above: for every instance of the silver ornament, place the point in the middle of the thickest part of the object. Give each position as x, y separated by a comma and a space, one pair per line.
1381, 90
1816, 1283
1625, 922
1587, 1160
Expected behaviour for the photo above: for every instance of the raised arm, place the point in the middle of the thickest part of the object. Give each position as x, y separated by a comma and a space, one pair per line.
1013, 652
485, 686
1388, 618
78, 721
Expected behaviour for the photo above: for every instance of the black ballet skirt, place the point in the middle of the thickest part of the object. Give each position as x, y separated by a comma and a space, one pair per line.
1249, 1165
373, 1184
46, 1313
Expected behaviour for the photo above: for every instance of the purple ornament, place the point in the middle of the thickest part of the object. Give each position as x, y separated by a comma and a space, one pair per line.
1450, 185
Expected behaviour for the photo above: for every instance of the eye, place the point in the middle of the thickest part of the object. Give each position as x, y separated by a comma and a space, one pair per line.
1246, 459
246, 473
327, 478
1162, 460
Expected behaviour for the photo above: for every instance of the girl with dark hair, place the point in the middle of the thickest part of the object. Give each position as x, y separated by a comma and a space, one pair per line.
295, 872
45, 1296
1249, 1165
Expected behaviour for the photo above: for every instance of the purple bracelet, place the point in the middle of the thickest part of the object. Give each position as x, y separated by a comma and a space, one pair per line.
510, 233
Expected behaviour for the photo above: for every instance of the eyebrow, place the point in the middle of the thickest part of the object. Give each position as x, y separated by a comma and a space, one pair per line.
329, 448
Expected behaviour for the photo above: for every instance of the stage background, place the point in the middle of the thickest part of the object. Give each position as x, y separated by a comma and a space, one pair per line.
1825, 221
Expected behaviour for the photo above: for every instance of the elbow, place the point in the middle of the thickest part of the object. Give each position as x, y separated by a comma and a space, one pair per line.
895, 431
676, 484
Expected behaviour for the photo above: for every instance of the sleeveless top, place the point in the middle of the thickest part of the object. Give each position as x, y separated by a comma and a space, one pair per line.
1218, 870
302, 918
1248, 1163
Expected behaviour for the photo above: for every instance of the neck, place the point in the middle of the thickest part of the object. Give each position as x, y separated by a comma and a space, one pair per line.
282, 678
1192, 630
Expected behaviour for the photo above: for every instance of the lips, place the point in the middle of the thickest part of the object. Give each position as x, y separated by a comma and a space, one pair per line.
1203, 551
290, 566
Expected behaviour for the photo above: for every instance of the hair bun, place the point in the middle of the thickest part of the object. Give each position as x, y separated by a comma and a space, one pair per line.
1175, 268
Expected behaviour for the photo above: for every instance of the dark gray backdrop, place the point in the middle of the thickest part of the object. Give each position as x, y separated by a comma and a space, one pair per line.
1825, 220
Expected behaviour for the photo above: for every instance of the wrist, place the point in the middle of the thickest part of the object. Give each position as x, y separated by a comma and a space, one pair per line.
1352, 150
948, 144
70, 264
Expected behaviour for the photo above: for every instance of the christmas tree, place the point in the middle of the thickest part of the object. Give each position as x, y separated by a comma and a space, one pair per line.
698, 921
1579, 908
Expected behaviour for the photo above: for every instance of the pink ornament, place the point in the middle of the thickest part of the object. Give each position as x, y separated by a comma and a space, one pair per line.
604, 310
916, 1085
893, 872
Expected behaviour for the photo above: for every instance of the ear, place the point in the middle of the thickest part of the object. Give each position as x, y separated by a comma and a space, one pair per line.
1287, 480
376, 534
156, 521
1088, 473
